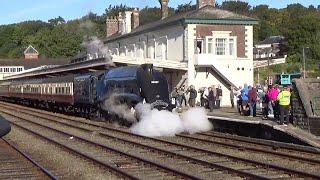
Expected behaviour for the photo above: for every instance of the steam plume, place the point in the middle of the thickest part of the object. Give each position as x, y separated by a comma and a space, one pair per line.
165, 123
122, 110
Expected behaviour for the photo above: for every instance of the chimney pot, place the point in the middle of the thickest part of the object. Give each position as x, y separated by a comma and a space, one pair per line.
164, 8
135, 18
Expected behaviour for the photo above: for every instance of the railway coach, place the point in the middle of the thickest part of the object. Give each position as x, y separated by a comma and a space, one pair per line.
86, 94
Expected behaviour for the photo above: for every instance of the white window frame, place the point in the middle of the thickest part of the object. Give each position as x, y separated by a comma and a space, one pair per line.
223, 35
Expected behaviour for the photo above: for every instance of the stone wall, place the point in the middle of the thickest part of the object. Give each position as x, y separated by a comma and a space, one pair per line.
305, 109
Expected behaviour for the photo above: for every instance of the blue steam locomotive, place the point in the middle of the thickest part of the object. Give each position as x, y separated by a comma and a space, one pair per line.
85, 94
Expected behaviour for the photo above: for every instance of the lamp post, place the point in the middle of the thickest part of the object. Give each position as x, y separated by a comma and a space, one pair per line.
304, 61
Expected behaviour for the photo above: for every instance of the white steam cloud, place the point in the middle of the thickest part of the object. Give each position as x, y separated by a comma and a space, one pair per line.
112, 105
164, 123
93, 45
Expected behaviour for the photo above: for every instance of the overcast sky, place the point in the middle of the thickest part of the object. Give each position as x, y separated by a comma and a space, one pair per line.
13, 11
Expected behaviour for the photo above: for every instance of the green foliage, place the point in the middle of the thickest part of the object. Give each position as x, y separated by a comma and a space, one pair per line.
239, 7
185, 7
58, 38
113, 11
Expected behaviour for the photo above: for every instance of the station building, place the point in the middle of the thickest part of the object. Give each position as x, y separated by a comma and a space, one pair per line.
204, 47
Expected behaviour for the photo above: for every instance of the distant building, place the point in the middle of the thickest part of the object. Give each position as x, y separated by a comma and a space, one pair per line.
10, 70
10, 67
272, 47
31, 53
203, 47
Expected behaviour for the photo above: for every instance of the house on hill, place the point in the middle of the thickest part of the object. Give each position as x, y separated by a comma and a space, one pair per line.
31, 53
203, 47
271, 47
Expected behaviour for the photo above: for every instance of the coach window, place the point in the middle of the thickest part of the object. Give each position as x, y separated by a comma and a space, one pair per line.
0, 69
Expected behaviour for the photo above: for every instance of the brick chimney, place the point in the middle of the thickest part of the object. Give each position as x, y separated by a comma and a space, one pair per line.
127, 21
135, 18
112, 26
164, 8
203, 3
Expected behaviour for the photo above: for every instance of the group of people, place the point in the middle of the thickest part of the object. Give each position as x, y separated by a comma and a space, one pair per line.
179, 94
273, 102
211, 97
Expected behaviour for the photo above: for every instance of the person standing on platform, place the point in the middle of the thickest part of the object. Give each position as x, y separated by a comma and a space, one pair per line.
205, 97
264, 99
284, 103
214, 90
179, 97
210, 98
272, 96
252, 101
192, 96
174, 95
244, 99
239, 100
232, 96
219, 96
183, 96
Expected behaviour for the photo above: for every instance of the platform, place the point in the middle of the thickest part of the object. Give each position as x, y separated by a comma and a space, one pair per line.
231, 116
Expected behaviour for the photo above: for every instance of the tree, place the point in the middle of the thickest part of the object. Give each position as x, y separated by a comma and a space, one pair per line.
185, 8
56, 21
236, 6
113, 11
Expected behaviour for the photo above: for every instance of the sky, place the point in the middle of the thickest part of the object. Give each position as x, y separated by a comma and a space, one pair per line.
13, 11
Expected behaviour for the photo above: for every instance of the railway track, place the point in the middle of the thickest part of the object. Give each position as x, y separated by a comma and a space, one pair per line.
196, 149
16, 164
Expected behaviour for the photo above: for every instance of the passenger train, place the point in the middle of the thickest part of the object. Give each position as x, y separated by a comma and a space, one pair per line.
85, 94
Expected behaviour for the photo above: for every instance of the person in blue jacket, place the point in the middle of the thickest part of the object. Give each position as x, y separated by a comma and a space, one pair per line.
245, 99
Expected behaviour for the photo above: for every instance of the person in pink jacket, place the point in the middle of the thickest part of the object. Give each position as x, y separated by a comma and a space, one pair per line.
272, 96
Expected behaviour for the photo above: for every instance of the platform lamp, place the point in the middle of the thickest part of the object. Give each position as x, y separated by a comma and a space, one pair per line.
304, 61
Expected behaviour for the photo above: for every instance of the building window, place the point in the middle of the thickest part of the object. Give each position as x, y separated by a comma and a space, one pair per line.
221, 46
150, 52
161, 50
231, 47
210, 45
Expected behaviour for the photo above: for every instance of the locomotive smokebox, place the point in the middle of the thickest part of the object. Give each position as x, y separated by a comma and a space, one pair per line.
148, 68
